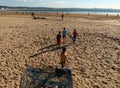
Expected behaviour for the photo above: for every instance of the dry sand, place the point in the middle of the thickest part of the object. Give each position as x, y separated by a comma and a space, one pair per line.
94, 59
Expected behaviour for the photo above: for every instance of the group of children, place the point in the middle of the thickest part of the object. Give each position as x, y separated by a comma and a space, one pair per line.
63, 57
64, 33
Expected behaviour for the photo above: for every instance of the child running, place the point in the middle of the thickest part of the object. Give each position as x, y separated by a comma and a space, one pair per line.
74, 35
64, 32
58, 37
63, 57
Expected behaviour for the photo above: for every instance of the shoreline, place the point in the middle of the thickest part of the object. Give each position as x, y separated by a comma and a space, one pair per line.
56, 14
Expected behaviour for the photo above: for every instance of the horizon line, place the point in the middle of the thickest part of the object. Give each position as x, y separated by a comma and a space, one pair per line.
60, 7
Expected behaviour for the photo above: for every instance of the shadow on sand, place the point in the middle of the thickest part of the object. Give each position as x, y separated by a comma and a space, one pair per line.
49, 48
44, 77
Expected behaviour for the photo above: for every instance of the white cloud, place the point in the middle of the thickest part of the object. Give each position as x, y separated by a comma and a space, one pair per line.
25, 0
56, 4
59, 2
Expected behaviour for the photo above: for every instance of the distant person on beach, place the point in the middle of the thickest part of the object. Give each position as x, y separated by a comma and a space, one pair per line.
62, 16
63, 57
58, 37
32, 14
64, 33
74, 35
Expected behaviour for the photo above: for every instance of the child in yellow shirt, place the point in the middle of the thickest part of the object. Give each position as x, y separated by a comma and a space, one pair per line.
63, 57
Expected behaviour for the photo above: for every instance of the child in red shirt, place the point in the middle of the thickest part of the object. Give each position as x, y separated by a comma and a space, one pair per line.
58, 37
74, 35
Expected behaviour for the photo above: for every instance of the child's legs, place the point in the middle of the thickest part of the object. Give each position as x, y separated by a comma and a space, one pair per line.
62, 64
64, 38
74, 38
59, 42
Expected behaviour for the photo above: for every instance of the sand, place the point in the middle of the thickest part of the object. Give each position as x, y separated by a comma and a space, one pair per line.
94, 59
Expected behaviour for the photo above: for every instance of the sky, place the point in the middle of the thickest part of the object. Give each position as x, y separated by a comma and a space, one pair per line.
114, 4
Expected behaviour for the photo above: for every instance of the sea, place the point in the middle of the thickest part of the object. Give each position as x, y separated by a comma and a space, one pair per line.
65, 10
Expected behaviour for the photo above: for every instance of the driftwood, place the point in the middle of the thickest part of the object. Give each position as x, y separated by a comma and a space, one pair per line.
37, 17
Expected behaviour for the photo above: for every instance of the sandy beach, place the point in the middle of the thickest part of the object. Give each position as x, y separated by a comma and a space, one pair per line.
94, 59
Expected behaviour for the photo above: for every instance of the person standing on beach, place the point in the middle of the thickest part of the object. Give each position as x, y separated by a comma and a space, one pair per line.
62, 16
63, 57
58, 37
64, 33
74, 35
32, 14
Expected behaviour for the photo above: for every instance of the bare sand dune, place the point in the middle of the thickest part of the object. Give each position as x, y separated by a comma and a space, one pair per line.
94, 59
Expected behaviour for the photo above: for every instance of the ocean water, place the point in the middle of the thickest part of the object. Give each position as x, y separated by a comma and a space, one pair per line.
66, 10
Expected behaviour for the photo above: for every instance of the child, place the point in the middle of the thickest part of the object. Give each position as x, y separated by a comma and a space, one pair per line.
63, 57
64, 32
74, 35
58, 37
